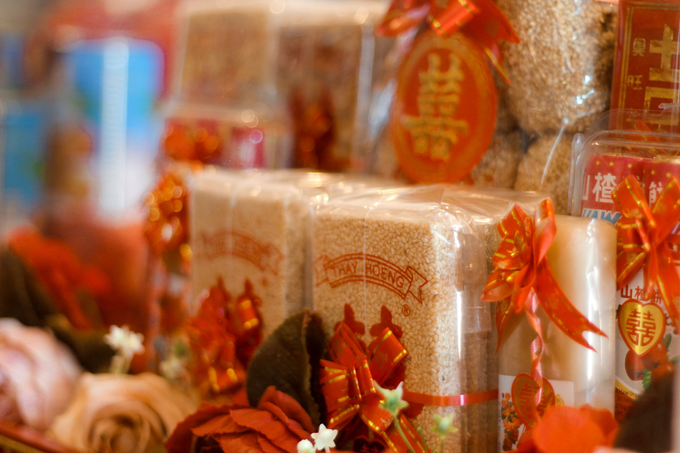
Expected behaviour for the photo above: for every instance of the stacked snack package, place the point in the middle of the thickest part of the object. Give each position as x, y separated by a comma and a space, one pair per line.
560, 75
416, 260
607, 163
285, 55
251, 231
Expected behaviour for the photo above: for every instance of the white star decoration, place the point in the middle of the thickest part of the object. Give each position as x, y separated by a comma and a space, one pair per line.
325, 438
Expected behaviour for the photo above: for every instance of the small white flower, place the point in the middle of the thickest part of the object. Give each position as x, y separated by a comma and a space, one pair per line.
325, 438
172, 368
124, 341
392, 402
443, 425
305, 446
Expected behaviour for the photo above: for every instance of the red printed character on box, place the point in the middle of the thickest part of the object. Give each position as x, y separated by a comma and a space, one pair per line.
647, 70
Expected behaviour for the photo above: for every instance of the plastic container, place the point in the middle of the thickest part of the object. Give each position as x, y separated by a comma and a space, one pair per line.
603, 159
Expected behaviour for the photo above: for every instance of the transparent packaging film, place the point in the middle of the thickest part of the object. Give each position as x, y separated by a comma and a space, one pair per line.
416, 259
285, 55
251, 230
582, 259
604, 158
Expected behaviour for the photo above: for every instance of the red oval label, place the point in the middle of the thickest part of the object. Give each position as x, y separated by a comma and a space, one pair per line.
444, 112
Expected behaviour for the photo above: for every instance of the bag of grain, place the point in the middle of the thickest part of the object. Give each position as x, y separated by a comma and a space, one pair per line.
416, 260
253, 226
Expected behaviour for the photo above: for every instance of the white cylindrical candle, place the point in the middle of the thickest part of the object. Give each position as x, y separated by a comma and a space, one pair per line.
582, 258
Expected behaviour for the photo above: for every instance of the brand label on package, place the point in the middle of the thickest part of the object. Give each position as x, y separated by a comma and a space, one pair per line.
602, 174
646, 344
515, 394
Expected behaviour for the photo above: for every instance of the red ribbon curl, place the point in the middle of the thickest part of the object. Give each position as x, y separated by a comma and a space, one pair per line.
480, 20
522, 280
644, 241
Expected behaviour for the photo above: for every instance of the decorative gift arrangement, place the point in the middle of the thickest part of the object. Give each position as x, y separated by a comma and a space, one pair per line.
302, 311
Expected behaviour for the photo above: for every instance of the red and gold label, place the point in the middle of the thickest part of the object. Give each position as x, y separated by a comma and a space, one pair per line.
524, 390
641, 325
444, 112
647, 70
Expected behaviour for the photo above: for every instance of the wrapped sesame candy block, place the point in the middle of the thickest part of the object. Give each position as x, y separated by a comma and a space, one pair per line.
287, 54
250, 230
415, 259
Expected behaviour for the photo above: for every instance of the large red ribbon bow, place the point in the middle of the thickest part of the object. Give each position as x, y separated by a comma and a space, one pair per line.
223, 336
522, 280
644, 242
347, 385
480, 20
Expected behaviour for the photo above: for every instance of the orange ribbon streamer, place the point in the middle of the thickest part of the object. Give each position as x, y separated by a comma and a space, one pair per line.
223, 337
347, 386
166, 227
644, 242
522, 280
480, 20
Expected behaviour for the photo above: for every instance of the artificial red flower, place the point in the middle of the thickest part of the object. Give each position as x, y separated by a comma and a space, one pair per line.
564, 429
61, 272
278, 424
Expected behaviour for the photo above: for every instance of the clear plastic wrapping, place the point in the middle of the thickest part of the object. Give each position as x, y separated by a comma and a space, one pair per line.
420, 254
603, 159
582, 259
560, 72
319, 61
255, 226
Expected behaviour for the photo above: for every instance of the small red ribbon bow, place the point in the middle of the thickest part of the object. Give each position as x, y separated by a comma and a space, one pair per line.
347, 385
481, 20
522, 280
644, 242
223, 337
166, 227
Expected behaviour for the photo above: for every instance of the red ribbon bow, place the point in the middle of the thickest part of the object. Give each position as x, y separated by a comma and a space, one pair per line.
522, 280
347, 385
480, 20
223, 337
644, 242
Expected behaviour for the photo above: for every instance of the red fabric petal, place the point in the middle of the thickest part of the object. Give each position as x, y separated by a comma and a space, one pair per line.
289, 406
239, 443
565, 429
291, 424
181, 438
222, 424
268, 425
268, 447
